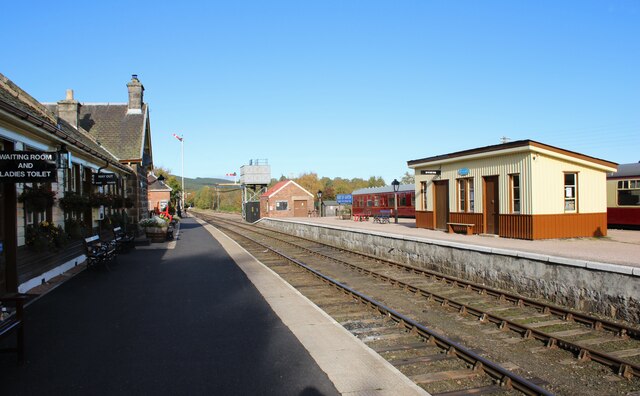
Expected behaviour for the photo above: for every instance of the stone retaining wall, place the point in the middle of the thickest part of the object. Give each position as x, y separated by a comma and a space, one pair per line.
610, 290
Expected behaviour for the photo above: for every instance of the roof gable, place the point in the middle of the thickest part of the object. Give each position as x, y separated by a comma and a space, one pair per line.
280, 185
113, 126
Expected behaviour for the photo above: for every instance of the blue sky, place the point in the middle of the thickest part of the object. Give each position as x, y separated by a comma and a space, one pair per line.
342, 88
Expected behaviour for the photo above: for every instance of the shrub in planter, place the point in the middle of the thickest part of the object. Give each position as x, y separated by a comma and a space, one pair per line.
45, 235
37, 199
155, 228
115, 219
74, 227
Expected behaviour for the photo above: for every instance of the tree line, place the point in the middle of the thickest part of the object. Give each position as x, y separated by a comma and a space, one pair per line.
229, 198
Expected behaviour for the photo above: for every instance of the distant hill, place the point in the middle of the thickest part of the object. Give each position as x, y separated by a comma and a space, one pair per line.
199, 182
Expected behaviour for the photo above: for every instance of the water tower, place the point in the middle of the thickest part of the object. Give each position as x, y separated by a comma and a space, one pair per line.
254, 179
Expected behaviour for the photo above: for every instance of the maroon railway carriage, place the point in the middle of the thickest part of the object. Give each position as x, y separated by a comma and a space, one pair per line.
374, 199
623, 197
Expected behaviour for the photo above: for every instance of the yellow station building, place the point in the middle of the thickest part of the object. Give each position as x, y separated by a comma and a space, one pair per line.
522, 189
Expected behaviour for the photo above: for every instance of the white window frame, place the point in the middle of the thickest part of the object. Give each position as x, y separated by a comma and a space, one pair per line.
570, 192
513, 193
279, 203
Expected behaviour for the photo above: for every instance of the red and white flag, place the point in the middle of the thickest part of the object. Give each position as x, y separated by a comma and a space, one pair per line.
177, 137
231, 174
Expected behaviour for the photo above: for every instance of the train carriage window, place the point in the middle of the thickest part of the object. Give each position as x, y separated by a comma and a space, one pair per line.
629, 192
376, 201
403, 200
369, 202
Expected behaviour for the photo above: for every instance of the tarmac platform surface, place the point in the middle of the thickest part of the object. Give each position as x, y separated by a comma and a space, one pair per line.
197, 317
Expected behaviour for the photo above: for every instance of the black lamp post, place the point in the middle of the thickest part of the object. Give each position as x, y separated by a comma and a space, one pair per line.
396, 186
319, 203
63, 157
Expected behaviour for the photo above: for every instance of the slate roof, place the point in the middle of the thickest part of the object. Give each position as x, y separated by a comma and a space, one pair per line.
19, 103
112, 126
157, 185
626, 170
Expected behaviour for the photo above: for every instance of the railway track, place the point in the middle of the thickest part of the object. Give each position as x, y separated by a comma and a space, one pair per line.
512, 328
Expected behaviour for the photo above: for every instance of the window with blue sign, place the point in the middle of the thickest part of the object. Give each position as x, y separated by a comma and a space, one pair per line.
466, 195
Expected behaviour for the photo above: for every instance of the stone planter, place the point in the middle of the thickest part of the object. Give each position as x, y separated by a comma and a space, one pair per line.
156, 234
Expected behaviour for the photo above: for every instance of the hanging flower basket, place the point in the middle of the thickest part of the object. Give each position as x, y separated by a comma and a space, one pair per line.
117, 202
74, 202
99, 199
37, 199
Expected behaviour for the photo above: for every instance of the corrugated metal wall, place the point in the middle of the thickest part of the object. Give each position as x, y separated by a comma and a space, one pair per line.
502, 166
548, 184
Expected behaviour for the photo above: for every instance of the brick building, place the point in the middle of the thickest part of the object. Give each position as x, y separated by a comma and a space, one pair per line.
286, 199
159, 193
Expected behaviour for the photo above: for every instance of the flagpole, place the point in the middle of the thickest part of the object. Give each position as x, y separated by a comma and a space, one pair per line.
182, 156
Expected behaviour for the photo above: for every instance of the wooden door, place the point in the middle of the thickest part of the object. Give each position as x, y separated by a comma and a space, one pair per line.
300, 208
491, 205
441, 205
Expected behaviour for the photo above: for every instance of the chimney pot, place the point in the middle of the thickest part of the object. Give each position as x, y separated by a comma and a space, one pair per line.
69, 109
136, 92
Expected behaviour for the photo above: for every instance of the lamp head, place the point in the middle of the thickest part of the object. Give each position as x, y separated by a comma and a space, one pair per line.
396, 185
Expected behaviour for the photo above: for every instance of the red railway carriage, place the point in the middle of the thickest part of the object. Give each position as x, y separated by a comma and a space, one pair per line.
374, 199
623, 197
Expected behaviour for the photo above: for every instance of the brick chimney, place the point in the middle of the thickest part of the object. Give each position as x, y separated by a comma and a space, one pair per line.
136, 91
69, 109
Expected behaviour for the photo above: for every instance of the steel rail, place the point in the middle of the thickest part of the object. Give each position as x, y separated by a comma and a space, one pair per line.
565, 313
621, 367
505, 377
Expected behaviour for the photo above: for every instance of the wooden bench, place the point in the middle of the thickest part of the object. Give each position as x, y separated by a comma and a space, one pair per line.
98, 251
382, 217
14, 322
123, 241
464, 227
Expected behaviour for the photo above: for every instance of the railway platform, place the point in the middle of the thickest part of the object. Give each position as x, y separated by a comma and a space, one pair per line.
619, 247
198, 316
